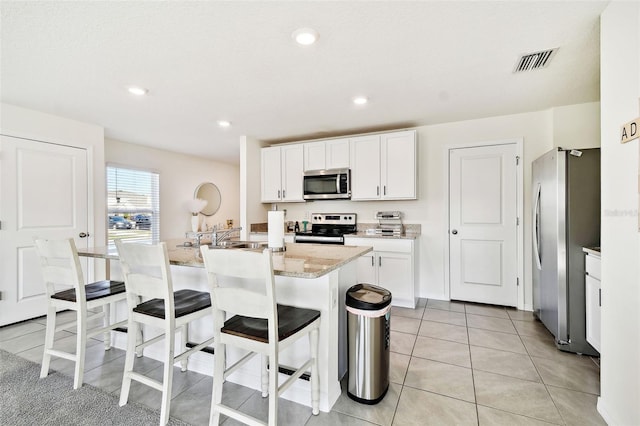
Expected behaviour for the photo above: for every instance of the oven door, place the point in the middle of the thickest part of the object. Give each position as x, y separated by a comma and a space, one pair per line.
327, 185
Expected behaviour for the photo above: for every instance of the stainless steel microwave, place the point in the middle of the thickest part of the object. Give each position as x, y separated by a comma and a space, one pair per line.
327, 184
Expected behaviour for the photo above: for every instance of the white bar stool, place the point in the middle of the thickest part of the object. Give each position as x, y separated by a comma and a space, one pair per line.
147, 276
258, 325
61, 266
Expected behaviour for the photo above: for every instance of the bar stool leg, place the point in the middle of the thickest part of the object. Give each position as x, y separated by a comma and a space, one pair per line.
132, 332
81, 343
184, 334
218, 379
48, 340
106, 321
167, 379
265, 375
273, 386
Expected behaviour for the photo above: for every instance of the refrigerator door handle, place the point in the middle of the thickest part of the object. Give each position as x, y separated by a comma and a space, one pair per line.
535, 230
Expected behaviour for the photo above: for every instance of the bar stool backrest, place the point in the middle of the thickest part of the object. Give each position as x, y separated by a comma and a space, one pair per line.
245, 265
60, 266
146, 273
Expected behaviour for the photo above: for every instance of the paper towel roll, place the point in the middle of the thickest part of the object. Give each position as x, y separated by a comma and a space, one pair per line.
275, 229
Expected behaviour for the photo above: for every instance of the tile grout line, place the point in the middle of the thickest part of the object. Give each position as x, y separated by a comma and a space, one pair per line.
564, 422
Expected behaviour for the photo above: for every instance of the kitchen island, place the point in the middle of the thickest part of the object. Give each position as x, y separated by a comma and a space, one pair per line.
314, 276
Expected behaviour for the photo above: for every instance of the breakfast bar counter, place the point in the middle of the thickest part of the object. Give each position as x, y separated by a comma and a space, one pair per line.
314, 276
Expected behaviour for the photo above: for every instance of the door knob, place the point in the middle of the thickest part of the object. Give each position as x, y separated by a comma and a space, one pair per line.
454, 232
83, 235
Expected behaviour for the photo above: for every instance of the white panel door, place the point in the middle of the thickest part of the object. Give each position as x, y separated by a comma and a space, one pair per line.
337, 154
271, 180
398, 165
367, 269
43, 193
365, 167
482, 224
292, 172
394, 274
314, 156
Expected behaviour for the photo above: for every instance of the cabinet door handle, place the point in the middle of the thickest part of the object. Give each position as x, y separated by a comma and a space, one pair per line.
599, 297
283, 196
378, 190
380, 261
278, 193
384, 190
372, 264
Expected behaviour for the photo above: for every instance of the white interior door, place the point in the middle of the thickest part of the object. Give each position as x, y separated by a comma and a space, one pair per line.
43, 193
483, 258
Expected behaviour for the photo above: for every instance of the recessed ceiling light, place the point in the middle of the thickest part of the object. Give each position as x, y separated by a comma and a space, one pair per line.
224, 123
305, 36
360, 100
138, 91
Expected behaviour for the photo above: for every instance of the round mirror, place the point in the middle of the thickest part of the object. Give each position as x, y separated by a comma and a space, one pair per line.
208, 191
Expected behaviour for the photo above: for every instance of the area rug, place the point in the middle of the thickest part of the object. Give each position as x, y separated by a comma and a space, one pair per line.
25, 399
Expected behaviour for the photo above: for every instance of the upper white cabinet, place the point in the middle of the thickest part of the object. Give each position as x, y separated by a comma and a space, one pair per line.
383, 167
330, 154
282, 173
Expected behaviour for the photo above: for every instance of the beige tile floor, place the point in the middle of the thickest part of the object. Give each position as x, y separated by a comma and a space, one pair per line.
451, 364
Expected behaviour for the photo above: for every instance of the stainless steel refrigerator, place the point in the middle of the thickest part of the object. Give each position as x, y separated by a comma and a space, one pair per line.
566, 217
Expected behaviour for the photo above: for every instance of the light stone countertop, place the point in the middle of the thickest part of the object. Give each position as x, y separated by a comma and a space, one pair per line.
405, 236
594, 251
299, 260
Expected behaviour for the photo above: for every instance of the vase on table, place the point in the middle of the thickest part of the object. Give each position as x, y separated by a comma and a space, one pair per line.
195, 222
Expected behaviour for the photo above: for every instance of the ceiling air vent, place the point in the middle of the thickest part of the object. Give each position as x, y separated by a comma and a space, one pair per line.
534, 61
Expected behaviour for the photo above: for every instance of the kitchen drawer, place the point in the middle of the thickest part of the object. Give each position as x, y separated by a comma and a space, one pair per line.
592, 266
382, 244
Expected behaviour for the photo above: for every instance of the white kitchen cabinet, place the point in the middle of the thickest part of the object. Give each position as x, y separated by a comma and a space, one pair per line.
593, 299
383, 167
391, 265
365, 168
282, 173
330, 154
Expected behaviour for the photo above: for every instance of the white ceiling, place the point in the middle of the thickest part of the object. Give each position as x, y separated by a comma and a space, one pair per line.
419, 63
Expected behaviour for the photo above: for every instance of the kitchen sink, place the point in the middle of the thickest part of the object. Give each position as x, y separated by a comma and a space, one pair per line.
241, 244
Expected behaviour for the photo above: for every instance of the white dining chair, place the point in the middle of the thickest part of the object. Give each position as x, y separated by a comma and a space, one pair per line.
152, 301
60, 267
255, 323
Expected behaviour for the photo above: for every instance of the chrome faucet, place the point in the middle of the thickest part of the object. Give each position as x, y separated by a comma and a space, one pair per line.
218, 236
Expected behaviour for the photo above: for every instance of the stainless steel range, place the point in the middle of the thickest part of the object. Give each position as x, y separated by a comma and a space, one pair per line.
328, 228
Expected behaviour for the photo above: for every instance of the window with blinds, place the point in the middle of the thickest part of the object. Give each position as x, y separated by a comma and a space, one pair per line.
133, 205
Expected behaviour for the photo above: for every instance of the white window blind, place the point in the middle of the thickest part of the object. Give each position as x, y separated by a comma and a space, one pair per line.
133, 205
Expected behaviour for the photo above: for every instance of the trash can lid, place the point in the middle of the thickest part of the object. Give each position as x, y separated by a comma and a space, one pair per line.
368, 297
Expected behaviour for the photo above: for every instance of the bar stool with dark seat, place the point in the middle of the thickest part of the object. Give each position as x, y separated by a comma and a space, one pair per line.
256, 324
152, 301
60, 266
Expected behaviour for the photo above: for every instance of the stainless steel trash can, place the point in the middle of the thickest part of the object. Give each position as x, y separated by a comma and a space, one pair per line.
368, 320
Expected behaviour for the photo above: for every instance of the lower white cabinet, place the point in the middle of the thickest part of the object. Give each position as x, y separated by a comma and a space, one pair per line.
593, 299
391, 265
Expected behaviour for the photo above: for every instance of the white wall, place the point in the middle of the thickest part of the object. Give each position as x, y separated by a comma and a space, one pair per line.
619, 403
180, 174
576, 126
250, 187
537, 129
30, 124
